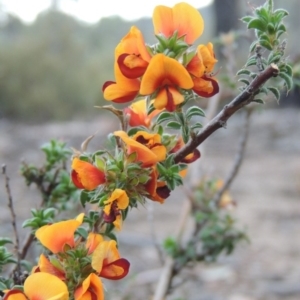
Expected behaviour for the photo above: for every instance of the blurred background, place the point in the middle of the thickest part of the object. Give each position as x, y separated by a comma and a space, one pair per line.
55, 56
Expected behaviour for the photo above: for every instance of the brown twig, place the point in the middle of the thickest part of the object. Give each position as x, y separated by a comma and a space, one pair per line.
28, 241
220, 120
13, 217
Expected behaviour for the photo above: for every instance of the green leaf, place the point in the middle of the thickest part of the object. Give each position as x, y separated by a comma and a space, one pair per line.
281, 27
260, 101
253, 46
84, 198
180, 118
288, 80
257, 24
279, 33
243, 72
243, 80
194, 111
246, 19
280, 14
275, 92
263, 15
251, 61
82, 232
274, 58
164, 116
263, 90
4, 241
271, 28
173, 125
197, 126
151, 108
288, 70
266, 44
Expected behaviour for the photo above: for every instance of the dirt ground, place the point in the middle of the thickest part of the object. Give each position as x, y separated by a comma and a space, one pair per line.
267, 192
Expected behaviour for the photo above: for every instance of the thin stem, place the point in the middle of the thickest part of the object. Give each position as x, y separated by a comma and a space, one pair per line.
220, 120
13, 217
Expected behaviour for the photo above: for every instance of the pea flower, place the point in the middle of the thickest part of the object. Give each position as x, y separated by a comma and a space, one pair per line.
107, 263
57, 236
117, 201
90, 289
85, 175
147, 147
157, 190
165, 76
132, 55
137, 113
183, 18
41, 286
201, 67
122, 90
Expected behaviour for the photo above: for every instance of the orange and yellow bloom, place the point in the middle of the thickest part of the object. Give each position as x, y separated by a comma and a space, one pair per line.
122, 90
165, 76
116, 202
90, 289
85, 175
147, 147
132, 55
57, 236
106, 261
40, 286
201, 67
137, 113
183, 18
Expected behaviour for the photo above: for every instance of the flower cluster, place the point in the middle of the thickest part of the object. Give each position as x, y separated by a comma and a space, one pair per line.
161, 78
166, 71
138, 163
74, 265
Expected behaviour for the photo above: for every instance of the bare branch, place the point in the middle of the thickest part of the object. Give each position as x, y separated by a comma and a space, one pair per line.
220, 120
13, 217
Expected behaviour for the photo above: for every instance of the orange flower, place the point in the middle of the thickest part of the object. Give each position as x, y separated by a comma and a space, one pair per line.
122, 90
46, 266
165, 76
90, 289
93, 240
183, 18
40, 286
157, 190
137, 112
147, 147
56, 236
107, 263
132, 55
117, 201
85, 175
200, 67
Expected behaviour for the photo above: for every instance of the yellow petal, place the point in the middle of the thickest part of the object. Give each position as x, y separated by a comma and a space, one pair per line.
55, 236
106, 251
91, 289
164, 71
144, 155
44, 286
182, 17
93, 240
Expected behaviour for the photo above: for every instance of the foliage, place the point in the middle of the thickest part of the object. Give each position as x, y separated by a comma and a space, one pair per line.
145, 160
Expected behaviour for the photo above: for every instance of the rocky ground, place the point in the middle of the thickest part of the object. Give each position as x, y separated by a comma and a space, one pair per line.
267, 192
